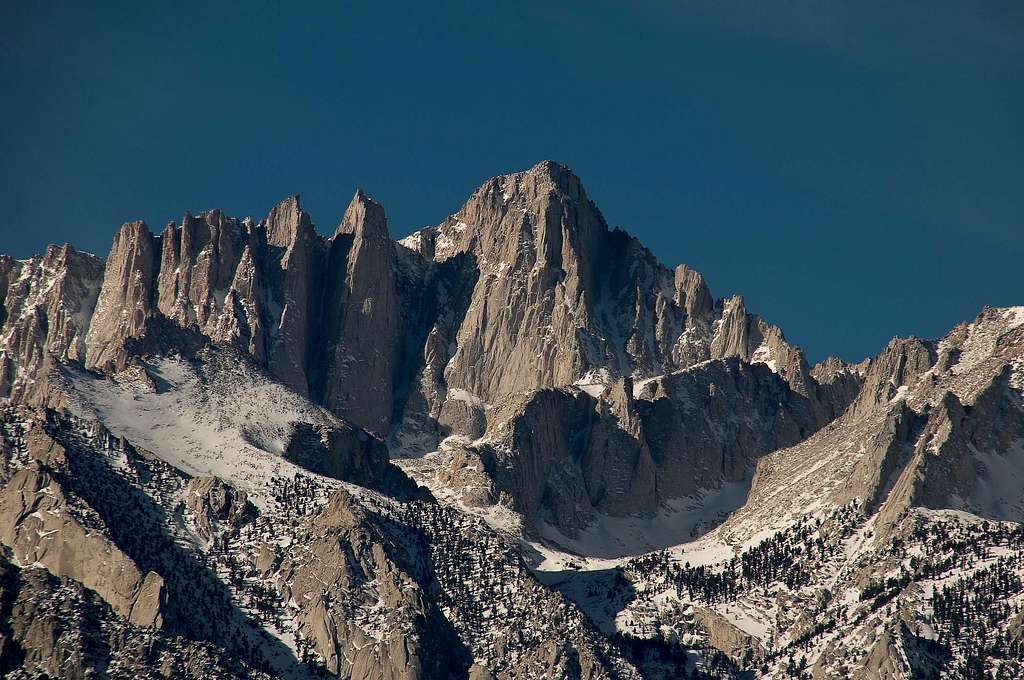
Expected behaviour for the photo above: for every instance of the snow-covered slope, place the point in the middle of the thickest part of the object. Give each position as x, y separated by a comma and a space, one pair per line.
218, 418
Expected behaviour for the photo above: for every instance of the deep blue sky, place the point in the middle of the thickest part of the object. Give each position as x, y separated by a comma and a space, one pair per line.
855, 169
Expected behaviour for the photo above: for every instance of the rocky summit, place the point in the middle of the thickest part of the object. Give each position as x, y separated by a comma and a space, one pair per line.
512, 445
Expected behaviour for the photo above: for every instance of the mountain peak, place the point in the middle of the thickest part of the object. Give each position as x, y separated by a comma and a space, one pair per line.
493, 217
550, 168
364, 218
287, 221
542, 177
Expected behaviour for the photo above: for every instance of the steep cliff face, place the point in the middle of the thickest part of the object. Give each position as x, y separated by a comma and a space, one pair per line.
127, 296
35, 524
536, 240
899, 365
197, 267
43, 526
295, 252
252, 286
530, 289
564, 456
46, 308
360, 332
556, 295
690, 420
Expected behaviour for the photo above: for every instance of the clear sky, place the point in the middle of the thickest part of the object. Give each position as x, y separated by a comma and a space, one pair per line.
854, 169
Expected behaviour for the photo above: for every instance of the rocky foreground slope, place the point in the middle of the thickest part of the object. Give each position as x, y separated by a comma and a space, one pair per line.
513, 445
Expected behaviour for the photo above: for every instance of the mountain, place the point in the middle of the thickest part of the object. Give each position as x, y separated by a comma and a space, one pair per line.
514, 445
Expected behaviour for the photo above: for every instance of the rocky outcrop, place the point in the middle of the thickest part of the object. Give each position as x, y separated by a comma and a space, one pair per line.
214, 505
209, 279
901, 364
879, 473
197, 266
953, 431
46, 304
563, 456
360, 331
41, 526
342, 452
55, 627
725, 636
294, 252
244, 321
894, 653
126, 298
839, 383
250, 286
343, 557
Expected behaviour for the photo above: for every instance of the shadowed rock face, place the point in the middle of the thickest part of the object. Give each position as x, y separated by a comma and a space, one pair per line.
562, 456
339, 452
360, 331
38, 524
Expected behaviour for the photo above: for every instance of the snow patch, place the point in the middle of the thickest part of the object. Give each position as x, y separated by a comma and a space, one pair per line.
459, 394
594, 382
763, 355
680, 520
230, 423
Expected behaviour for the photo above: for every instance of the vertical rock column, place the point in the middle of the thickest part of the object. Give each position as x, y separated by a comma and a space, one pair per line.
288, 227
361, 320
126, 296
